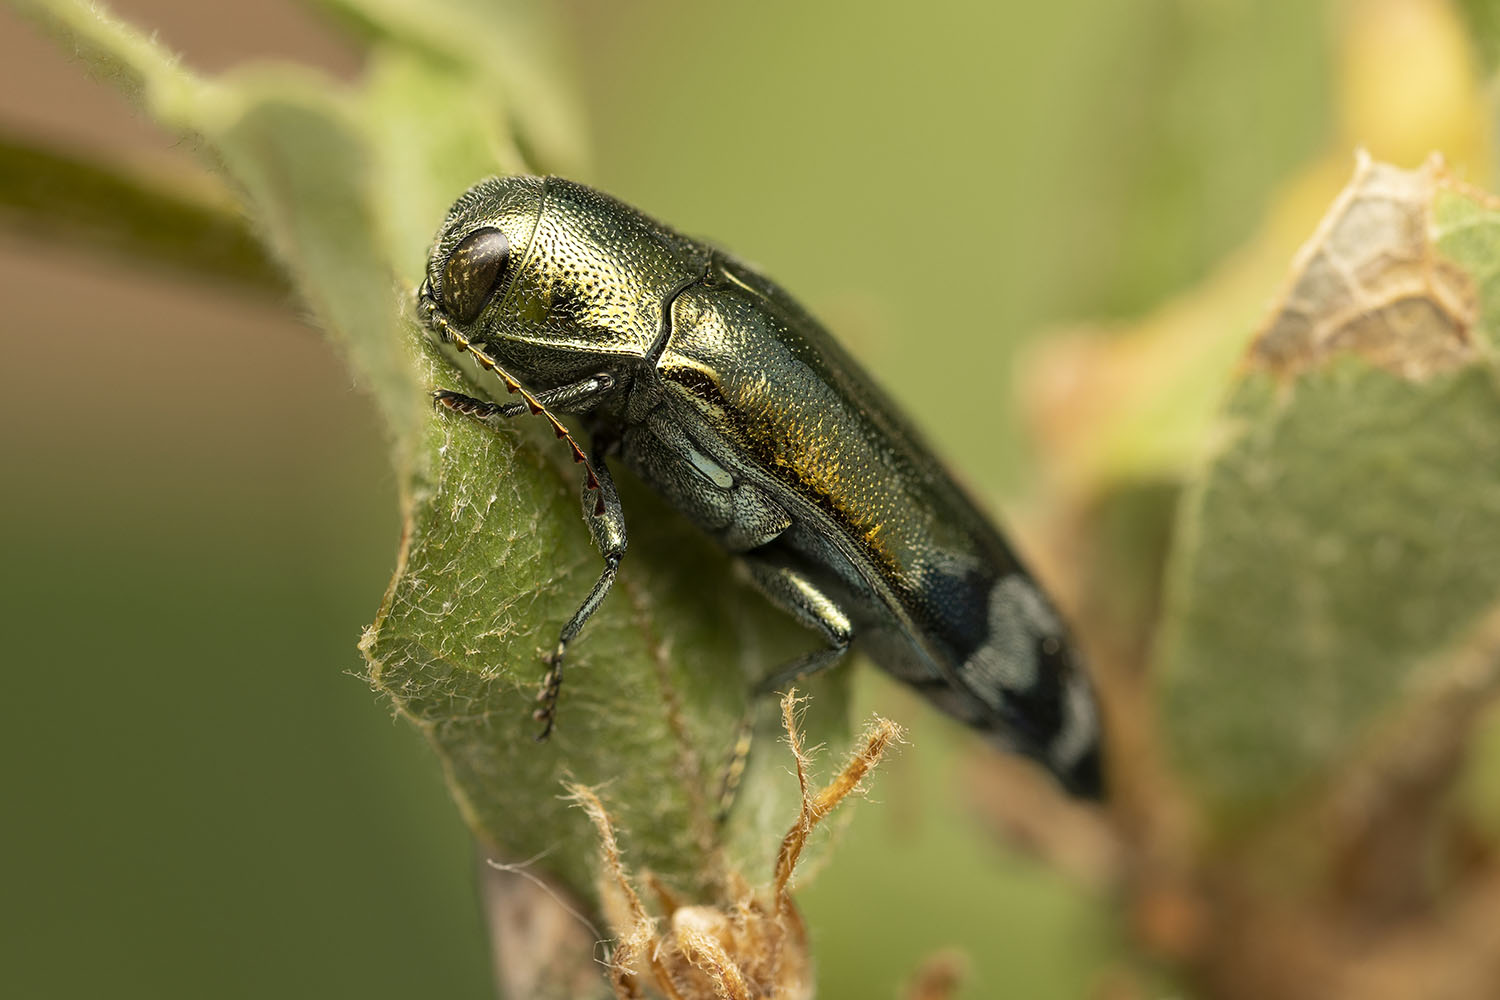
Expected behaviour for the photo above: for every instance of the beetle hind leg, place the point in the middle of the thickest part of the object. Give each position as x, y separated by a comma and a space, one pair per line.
791, 589
733, 770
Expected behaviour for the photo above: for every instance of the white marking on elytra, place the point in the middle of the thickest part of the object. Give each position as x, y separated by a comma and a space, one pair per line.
1080, 726
1018, 617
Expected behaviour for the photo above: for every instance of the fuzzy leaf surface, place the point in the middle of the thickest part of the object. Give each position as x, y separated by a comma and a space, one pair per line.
1344, 541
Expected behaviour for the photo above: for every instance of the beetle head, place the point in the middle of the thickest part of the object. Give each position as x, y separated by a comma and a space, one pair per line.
480, 249
554, 278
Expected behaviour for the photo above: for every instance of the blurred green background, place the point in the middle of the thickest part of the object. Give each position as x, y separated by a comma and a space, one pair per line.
206, 800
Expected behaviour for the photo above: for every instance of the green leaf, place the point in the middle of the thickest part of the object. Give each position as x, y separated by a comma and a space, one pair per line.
1484, 28
304, 163
1338, 551
500, 49
427, 160
1479, 787
182, 222
345, 186
496, 561
292, 143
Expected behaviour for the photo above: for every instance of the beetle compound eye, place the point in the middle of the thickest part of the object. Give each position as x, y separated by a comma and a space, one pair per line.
473, 271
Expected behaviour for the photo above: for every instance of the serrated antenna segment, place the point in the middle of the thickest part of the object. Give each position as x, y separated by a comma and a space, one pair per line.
433, 316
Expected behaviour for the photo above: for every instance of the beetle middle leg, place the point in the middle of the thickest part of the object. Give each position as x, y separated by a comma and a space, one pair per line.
601, 512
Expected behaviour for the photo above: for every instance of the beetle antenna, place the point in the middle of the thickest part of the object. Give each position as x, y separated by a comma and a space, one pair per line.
448, 331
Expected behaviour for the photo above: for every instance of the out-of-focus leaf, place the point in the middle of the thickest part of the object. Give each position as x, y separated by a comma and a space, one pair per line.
501, 48
186, 223
1479, 789
292, 143
428, 159
1412, 85
1345, 538
1124, 415
1131, 405
302, 158
1127, 403
1484, 25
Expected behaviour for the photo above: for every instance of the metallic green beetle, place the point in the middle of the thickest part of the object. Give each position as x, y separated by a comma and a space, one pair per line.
722, 393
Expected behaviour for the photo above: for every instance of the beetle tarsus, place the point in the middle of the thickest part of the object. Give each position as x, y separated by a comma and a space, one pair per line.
482, 410
546, 713
734, 767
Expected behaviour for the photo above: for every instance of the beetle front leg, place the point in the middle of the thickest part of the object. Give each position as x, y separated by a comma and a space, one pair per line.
606, 520
601, 510
789, 588
571, 397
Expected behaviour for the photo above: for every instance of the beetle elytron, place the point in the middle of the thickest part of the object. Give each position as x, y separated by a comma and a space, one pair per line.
719, 391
